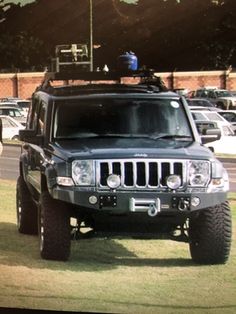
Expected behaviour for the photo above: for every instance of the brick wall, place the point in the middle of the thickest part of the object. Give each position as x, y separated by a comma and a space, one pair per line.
23, 84
19, 84
194, 80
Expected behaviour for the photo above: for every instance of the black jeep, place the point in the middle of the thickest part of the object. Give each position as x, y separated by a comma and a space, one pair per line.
119, 158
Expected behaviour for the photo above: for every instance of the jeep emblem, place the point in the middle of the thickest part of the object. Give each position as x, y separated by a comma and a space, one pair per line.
140, 155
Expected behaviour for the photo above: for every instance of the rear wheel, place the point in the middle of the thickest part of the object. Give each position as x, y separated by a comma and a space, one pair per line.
54, 229
26, 209
220, 105
210, 235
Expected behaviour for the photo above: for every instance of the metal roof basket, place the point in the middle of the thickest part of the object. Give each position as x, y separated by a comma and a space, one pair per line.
71, 57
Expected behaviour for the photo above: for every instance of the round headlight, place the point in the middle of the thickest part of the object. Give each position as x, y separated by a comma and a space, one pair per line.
113, 181
173, 182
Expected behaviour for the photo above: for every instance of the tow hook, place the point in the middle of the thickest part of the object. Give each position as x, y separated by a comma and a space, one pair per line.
183, 204
153, 211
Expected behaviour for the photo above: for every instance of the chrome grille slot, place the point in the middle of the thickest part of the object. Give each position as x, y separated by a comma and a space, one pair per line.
140, 173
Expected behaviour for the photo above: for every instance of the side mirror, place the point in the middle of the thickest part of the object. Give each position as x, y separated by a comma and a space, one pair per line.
30, 136
210, 135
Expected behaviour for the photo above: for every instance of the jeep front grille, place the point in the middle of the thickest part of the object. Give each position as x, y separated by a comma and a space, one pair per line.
140, 173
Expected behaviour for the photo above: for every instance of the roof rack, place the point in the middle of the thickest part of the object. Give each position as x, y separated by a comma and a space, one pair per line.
148, 79
97, 76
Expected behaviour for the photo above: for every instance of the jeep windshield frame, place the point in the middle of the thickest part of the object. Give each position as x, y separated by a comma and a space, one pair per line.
137, 116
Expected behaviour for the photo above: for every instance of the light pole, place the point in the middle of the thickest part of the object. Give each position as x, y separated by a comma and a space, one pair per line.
91, 33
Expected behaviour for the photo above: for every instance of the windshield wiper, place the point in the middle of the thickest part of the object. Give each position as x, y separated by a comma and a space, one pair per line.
91, 136
119, 136
173, 136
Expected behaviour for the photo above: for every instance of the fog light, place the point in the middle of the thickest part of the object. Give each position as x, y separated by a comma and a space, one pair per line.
113, 181
173, 182
93, 199
195, 201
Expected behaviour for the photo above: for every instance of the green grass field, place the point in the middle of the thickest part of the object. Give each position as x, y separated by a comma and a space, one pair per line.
110, 275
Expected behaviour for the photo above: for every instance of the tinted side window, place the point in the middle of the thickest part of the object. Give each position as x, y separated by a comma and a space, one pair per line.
211, 94
32, 115
36, 116
41, 118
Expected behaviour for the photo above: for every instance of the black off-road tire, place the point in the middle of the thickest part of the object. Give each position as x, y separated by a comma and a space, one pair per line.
54, 229
210, 235
26, 209
220, 105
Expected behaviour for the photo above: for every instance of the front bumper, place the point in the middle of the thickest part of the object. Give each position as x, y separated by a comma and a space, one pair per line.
122, 202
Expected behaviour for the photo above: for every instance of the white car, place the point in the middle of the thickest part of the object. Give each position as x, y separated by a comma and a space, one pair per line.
208, 116
10, 128
227, 143
13, 111
21, 104
230, 116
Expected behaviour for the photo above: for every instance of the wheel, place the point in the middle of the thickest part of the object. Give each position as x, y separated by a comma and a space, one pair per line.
15, 138
54, 229
210, 235
26, 209
220, 105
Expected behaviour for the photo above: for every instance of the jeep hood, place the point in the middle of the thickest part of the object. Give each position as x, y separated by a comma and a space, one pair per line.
112, 148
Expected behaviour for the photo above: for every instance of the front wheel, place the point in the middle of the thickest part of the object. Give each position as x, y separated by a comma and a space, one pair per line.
15, 138
26, 209
54, 229
210, 235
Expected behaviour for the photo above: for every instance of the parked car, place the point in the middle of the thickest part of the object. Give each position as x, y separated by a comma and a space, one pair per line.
230, 116
201, 102
227, 142
10, 128
7, 99
222, 98
181, 91
209, 116
200, 108
23, 104
13, 112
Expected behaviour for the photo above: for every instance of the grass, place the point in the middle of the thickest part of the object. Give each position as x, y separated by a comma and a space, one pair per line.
110, 275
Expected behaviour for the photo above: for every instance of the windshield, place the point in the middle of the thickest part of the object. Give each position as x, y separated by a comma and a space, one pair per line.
207, 115
120, 117
23, 104
200, 102
214, 116
223, 93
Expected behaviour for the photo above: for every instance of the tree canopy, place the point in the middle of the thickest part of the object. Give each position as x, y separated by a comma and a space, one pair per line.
165, 34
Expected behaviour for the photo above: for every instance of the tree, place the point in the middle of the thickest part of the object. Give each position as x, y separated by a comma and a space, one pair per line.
22, 51
220, 48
